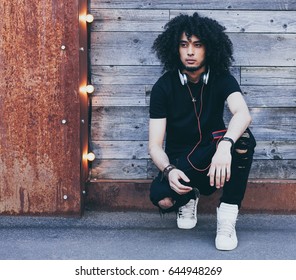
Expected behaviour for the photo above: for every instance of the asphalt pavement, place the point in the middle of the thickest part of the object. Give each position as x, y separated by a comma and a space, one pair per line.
142, 236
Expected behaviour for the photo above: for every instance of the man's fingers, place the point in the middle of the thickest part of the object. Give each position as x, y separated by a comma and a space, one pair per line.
179, 188
218, 176
175, 177
223, 176
184, 177
228, 173
211, 174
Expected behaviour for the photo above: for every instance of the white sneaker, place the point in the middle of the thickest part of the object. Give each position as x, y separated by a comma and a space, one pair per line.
226, 238
187, 216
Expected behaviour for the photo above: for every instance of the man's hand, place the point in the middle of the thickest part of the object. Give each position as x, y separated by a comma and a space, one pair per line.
174, 180
219, 171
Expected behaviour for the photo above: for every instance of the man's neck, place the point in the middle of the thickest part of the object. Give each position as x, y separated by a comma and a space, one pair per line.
194, 77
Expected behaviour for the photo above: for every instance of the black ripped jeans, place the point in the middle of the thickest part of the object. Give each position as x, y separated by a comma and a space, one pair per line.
233, 190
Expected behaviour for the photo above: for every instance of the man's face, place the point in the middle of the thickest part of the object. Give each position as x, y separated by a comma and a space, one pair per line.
192, 52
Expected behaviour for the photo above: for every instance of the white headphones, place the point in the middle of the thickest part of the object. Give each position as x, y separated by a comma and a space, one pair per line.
205, 77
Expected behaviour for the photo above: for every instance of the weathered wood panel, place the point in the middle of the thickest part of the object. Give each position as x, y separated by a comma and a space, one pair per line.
131, 123
145, 169
119, 95
136, 50
250, 21
38, 83
124, 70
250, 49
274, 169
121, 149
270, 96
129, 20
123, 85
193, 4
147, 75
275, 150
139, 150
121, 123
131, 85
272, 124
267, 76
119, 169
234, 21
125, 75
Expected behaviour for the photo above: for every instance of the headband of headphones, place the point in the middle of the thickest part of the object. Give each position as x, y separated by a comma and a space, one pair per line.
184, 80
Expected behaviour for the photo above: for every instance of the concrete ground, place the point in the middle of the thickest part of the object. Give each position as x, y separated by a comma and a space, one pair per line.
142, 236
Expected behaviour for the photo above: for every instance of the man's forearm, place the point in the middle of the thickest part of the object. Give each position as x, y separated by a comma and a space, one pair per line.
159, 157
237, 125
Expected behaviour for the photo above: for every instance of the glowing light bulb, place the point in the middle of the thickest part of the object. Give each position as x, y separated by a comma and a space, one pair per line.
88, 89
90, 156
89, 18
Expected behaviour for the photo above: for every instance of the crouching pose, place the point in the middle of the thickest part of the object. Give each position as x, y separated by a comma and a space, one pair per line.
200, 154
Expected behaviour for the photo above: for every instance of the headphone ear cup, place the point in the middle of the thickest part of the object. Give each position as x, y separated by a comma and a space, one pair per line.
183, 78
206, 76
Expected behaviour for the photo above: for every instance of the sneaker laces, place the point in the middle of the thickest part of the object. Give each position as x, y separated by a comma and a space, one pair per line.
225, 228
188, 210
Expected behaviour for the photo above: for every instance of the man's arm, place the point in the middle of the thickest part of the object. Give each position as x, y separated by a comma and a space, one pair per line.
157, 128
221, 161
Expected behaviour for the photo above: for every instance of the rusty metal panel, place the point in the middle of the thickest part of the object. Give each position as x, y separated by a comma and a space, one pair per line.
262, 196
39, 107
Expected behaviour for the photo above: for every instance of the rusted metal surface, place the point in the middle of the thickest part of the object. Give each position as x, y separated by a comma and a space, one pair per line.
262, 196
39, 107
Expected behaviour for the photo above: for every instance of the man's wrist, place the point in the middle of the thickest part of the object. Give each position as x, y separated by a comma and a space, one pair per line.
229, 140
167, 170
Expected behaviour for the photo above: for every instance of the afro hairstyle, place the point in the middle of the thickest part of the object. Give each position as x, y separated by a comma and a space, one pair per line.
219, 49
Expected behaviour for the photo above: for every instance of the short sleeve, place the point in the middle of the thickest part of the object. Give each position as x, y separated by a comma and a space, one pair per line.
158, 103
229, 85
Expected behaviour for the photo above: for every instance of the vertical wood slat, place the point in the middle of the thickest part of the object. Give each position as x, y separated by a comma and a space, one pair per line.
39, 105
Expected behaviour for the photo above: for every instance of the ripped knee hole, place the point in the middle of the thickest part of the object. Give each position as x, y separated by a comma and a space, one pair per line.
166, 203
241, 148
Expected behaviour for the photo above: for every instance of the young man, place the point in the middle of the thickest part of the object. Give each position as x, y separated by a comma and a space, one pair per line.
201, 155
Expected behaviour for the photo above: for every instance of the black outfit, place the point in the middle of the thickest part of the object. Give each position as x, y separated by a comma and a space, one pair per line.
192, 133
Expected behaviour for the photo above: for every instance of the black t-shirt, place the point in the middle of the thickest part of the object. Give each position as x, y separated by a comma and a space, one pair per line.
171, 100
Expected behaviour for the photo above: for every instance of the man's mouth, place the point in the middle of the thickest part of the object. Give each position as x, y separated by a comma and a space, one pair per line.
190, 61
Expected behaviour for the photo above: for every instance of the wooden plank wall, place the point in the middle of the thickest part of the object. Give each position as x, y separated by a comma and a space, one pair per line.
124, 70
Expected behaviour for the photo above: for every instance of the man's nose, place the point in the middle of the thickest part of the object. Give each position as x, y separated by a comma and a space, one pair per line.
190, 51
